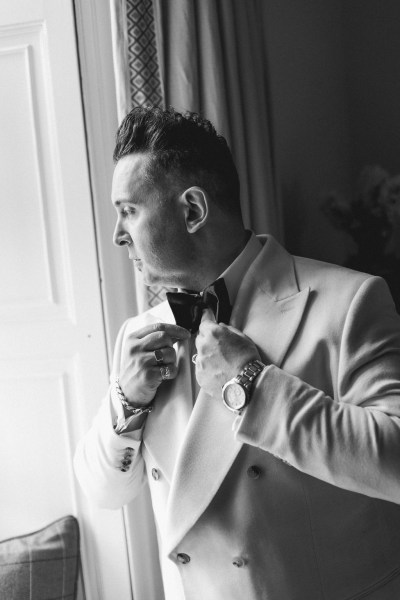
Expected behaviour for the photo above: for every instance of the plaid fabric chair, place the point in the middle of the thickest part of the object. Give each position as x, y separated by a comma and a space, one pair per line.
42, 565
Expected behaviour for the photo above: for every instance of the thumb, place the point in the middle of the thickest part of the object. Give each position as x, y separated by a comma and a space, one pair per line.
208, 315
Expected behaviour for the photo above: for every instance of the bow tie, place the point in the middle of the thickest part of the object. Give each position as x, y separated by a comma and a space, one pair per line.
188, 308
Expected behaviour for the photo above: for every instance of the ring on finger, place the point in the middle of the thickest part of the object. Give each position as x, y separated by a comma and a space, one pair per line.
158, 354
194, 358
165, 372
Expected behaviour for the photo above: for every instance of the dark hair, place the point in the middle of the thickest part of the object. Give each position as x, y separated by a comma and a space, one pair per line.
185, 146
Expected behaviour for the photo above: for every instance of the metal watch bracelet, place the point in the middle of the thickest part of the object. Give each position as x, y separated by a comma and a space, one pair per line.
249, 372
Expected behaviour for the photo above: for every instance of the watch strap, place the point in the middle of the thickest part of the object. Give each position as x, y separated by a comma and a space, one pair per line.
244, 380
249, 372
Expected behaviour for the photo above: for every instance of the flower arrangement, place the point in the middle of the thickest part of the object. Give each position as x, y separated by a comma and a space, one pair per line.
372, 219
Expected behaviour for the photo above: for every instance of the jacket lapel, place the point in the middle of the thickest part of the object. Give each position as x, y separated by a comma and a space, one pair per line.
268, 309
173, 405
269, 305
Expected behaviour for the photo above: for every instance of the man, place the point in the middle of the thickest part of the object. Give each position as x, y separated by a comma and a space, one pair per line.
269, 433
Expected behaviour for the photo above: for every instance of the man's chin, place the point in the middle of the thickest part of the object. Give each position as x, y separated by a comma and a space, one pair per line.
147, 278
151, 279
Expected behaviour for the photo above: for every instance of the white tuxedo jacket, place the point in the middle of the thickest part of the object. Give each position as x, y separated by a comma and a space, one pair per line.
298, 498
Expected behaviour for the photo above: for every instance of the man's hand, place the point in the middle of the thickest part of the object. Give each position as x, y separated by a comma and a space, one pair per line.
222, 352
140, 375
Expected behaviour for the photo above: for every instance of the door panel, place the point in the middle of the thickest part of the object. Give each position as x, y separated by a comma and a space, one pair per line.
53, 359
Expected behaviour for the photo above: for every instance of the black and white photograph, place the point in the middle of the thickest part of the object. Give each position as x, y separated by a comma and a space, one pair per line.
200, 300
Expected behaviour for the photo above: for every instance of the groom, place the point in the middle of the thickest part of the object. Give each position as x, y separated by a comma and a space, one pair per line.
260, 403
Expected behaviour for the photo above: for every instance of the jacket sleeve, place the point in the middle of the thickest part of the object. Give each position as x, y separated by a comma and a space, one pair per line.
99, 454
352, 441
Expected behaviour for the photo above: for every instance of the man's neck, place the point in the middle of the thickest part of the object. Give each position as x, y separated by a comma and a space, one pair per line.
222, 258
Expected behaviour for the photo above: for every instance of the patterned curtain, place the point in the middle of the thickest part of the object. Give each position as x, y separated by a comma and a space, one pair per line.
144, 75
138, 83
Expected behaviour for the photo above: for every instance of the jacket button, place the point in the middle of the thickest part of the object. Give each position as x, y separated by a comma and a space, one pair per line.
254, 472
155, 474
126, 462
239, 561
183, 558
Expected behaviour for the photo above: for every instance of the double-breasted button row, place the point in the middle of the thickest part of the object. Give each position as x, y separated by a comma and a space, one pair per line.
127, 460
239, 561
254, 472
183, 558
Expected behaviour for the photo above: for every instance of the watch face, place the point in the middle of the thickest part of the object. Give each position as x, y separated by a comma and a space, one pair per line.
235, 396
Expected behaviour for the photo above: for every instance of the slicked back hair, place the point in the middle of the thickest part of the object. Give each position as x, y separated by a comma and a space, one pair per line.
185, 147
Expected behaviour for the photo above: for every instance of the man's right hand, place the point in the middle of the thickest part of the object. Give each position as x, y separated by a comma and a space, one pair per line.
140, 375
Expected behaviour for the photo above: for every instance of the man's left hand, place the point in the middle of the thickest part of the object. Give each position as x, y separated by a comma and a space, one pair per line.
222, 352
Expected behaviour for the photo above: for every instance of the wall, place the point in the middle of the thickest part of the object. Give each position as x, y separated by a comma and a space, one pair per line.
335, 91
372, 44
310, 118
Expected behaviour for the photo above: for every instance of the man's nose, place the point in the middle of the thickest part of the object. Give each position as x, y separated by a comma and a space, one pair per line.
121, 237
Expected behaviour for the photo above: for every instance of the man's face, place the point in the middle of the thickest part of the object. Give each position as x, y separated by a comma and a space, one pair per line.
150, 223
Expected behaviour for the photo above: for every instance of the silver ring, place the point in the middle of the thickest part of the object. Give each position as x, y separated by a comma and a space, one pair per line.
165, 372
194, 358
159, 356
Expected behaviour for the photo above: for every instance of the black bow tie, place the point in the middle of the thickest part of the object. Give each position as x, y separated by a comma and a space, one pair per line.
188, 308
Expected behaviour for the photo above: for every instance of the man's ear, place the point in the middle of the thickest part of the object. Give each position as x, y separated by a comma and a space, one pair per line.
195, 204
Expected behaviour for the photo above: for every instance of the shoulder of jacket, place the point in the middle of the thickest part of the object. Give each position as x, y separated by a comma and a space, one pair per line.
314, 272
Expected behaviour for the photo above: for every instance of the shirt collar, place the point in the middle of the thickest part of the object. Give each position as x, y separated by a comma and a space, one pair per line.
233, 275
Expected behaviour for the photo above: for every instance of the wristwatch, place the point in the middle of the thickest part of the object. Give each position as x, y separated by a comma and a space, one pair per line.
236, 391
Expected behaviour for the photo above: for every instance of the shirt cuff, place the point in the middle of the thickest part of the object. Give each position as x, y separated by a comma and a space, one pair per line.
132, 425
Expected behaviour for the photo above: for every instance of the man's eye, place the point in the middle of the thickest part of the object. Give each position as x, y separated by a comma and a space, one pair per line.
127, 211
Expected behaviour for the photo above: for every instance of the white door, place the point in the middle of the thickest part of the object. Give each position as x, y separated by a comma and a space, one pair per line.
53, 362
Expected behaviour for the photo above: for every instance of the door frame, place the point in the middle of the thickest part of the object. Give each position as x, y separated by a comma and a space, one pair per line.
95, 47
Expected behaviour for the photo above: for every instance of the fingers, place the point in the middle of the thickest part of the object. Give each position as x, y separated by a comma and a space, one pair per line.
147, 360
208, 325
153, 341
142, 371
208, 315
175, 332
154, 337
168, 372
155, 375
166, 356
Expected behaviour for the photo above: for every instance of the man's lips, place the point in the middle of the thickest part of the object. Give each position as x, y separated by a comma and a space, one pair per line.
137, 262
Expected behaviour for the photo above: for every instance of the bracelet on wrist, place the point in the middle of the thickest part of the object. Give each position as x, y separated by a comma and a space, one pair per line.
138, 410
